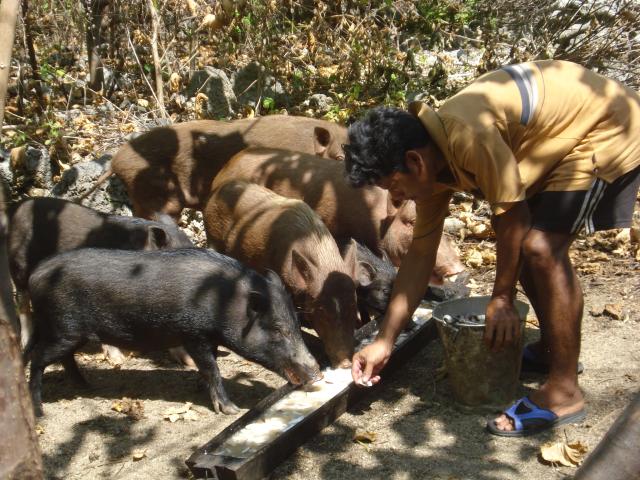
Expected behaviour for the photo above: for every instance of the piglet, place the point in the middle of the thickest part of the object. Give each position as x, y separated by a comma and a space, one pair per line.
154, 300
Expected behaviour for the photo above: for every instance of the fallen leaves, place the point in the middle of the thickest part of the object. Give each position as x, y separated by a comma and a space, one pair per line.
480, 255
133, 409
562, 453
364, 436
183, 412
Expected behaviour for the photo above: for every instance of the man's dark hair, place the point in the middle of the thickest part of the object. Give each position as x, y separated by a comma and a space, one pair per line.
378, 142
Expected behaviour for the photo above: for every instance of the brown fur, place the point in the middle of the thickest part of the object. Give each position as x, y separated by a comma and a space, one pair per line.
170, 168
267, 231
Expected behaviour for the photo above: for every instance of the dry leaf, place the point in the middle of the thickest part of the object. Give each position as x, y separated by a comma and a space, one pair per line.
131, 408
143, 102
175, 81
191, 415
179, 413
211, 22
138, 455
569, 455
17, 156
364, 436
192, 6
624, 236
474, 259
39, 429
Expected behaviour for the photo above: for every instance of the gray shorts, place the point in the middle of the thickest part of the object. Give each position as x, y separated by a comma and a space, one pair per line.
604, 206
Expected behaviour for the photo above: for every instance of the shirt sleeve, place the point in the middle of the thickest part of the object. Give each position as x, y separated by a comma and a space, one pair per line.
431, 212
493, 166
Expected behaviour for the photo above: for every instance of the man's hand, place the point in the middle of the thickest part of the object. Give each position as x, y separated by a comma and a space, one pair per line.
368, 362
502, 325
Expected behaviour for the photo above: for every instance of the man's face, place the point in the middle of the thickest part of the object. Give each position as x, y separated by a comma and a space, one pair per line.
403, 186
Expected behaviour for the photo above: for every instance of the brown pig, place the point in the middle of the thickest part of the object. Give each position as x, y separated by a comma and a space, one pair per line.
397, 238
170, 168
364, 214
267, 231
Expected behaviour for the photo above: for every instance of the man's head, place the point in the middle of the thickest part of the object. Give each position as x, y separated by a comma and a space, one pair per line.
378, 143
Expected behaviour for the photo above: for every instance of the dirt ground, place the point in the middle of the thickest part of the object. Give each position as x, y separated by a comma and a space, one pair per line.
420, 430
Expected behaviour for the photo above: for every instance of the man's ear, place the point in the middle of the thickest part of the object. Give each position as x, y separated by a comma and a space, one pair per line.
415, 162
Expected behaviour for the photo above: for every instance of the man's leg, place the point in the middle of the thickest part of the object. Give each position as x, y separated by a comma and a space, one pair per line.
557, 298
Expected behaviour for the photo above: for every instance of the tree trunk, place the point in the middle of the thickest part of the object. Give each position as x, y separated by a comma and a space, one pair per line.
33, 60
8, 15
98, 16
19, 450
616, 456
156, 58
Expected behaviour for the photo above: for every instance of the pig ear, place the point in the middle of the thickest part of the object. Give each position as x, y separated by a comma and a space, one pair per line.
301, 271
350, 258
163, 218
321, 140
385, 256
157, 238
365, 274
273, 277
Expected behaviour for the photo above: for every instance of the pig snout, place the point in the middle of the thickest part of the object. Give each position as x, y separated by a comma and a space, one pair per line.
303, 374
302, 367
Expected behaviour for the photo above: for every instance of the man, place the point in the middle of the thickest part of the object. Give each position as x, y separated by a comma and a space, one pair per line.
553, 148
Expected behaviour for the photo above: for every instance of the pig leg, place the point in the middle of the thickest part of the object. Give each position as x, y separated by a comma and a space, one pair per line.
71, 367
42, 355
26, 322
113, 355
181, 356
205, 358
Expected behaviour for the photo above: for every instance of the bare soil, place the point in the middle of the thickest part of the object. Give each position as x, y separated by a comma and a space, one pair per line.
420, 430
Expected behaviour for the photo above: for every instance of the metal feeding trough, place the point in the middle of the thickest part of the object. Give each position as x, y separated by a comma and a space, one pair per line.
257, 442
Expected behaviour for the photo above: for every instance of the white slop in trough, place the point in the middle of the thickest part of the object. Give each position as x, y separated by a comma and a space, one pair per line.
294, 407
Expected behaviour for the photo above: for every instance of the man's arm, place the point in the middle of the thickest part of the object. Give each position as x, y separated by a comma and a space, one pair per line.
409, 288
502, 324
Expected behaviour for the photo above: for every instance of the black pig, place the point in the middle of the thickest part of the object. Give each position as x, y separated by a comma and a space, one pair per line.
161, 299
374, 282
44, 226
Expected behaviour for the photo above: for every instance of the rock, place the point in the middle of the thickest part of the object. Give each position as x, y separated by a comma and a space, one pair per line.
613, 310
31, 167
320, 102
215, 84
453, 225
253, 83
111, 197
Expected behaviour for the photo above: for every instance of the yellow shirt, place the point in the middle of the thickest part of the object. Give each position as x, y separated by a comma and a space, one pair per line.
540, 126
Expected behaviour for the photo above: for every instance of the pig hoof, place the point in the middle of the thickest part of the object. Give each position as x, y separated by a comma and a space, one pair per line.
113, 355
228, 408
37, 411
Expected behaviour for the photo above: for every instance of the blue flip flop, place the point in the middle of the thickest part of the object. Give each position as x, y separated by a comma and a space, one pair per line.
532, 364
529, 419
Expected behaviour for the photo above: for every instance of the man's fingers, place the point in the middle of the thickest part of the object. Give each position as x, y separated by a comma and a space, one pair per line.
356, 367
489, 331
368, 371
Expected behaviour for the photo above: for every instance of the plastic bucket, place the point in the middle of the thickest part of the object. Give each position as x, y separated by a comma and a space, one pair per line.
478, 376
